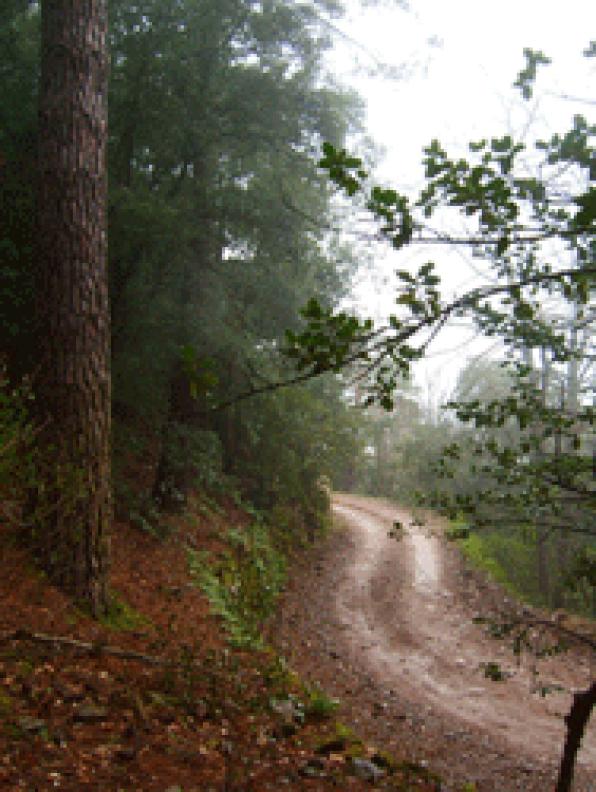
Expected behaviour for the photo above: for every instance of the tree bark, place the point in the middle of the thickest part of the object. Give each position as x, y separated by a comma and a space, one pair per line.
72, 504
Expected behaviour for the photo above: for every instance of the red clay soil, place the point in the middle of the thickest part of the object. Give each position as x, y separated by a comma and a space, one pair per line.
387, 626
72, 719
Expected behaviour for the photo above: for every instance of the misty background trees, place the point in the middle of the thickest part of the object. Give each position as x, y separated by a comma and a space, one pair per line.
512, 455
217, 115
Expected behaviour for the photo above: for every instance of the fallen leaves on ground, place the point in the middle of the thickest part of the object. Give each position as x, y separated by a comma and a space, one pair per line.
204, 720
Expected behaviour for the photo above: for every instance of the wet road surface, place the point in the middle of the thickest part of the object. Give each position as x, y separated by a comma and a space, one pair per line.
395, 616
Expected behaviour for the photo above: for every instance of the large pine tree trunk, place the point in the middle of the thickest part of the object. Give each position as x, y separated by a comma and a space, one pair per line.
72, 504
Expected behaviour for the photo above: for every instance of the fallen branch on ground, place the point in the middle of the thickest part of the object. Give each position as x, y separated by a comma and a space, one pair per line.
557, 627
97, 648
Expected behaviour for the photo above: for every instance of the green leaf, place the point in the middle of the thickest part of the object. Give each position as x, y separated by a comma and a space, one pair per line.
523, 311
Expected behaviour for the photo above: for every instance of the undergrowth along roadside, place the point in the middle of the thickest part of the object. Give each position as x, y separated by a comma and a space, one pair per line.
242, 582
511, 557
209, 715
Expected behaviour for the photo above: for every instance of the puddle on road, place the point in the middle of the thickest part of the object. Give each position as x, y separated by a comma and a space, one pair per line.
370, 543
426, 562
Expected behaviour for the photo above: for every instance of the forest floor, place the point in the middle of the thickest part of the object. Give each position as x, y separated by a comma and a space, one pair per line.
202, 717
391, 627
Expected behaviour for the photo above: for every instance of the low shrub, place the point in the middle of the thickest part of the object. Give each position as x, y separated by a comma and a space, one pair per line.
243, 583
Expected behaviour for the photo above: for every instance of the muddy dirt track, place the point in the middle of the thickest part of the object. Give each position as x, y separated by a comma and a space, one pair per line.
386, 626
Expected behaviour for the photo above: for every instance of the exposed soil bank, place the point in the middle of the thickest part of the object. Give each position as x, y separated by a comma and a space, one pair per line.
386, 625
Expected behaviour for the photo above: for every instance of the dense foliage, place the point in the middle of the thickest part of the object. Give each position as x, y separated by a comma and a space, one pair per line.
217, 115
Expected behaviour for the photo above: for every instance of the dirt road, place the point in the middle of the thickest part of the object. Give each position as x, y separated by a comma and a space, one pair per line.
386, 625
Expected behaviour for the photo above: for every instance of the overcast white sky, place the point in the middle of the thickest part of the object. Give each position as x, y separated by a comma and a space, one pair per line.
461, 58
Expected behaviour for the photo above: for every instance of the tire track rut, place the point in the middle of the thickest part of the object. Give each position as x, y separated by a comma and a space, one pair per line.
387, 627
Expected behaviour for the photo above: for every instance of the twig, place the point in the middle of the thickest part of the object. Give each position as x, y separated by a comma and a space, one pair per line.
380, 336
556, 626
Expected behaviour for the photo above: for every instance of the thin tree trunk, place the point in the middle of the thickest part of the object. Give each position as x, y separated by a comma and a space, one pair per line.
72, 508
542, 538
175, 473
562, 540
173, 481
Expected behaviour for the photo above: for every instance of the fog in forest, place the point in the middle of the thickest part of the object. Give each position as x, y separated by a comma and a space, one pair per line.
256, 253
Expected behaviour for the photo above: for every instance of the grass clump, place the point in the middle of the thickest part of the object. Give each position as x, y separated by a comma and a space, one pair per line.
121, 616
475, 549
493, 671
6, 704
319, 705
457, 531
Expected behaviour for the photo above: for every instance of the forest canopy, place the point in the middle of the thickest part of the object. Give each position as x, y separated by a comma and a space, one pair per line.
218, 112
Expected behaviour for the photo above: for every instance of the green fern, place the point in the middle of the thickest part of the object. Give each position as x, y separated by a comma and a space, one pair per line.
243, 584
